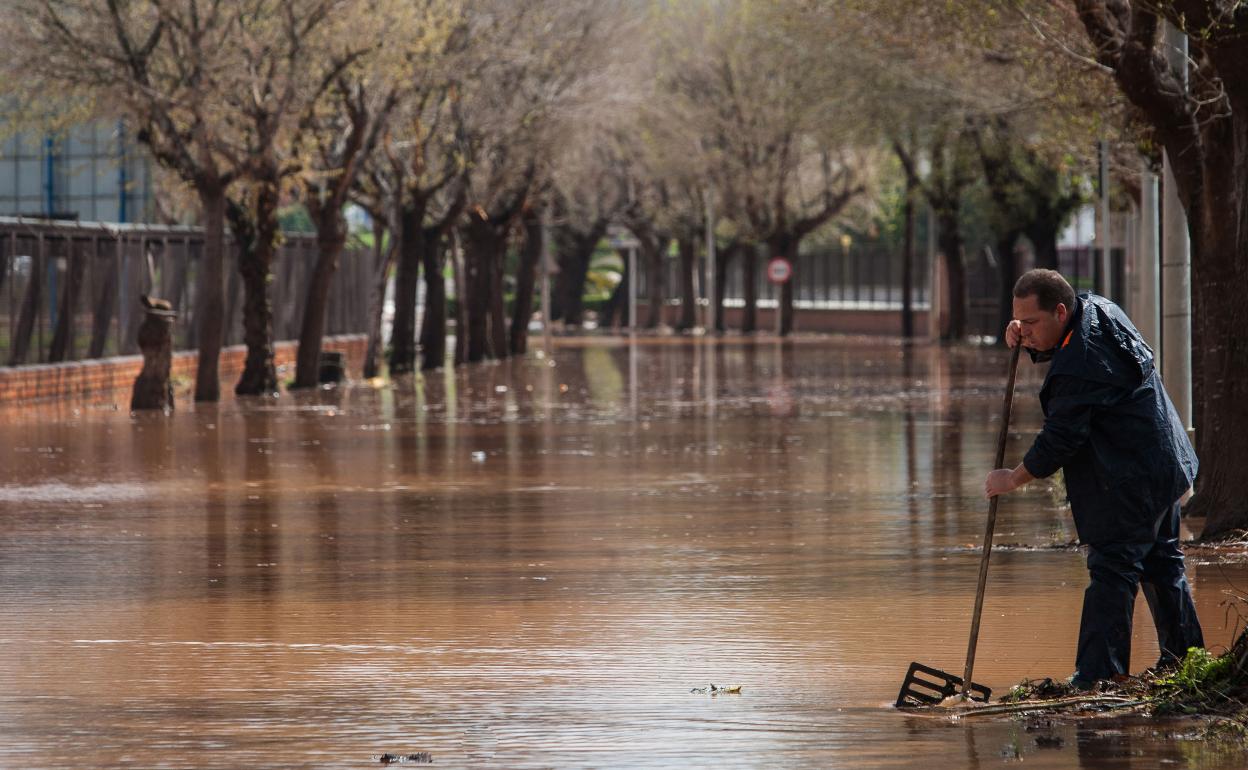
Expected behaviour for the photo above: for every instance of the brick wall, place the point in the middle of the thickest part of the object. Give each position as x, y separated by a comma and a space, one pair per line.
104, 377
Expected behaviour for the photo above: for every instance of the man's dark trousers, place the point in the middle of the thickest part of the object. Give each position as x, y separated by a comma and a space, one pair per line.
1117, 569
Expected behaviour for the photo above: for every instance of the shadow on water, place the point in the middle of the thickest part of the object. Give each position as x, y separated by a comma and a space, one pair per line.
532, 565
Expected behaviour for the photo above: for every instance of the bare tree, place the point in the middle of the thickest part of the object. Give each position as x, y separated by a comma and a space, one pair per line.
773, 126
1203, 127
165, 67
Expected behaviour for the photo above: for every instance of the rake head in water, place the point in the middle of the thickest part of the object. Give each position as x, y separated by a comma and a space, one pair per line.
927, 686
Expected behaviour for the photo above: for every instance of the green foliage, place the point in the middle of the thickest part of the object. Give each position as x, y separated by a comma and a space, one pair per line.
294, 219
1198, 676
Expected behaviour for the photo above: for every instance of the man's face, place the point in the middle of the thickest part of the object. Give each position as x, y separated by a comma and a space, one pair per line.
1041, 329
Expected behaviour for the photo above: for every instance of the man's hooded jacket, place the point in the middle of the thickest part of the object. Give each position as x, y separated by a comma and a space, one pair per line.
1110, 426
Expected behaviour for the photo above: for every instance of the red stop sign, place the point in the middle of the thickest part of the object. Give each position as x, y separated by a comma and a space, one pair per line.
779, 270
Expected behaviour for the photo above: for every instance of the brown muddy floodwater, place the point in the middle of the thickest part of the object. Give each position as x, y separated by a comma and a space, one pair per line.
528, 566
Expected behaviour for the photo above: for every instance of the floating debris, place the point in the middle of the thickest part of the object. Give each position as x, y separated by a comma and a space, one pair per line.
419, 758
731, 689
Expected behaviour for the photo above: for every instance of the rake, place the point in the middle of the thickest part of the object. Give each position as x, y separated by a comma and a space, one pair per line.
924, 685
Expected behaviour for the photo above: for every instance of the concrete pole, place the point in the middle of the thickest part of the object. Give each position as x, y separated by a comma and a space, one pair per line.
1107, 287
1176, 270
632, 291
632, 278
1147, 315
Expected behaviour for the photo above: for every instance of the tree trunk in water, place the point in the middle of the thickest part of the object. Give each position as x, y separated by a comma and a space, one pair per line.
907, 260
785, 245
210, 314
255, 265
331, 237
569, 288
461, 304
406, 281
526, 280
723, 261
62, 347
31, 300
687, 249
749, 283
653, 254
433, 326
1220, 370
950, 240
152, 389
105, 303
1008, 257
383, 257
498, 304
575, 250
481, 247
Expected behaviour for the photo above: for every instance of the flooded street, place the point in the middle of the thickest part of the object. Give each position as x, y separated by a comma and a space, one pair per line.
527, 566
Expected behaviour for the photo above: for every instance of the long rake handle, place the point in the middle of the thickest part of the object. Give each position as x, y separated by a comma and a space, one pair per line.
992, 523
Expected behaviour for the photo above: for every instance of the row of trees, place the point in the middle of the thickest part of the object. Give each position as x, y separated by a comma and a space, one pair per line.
475, 120
434, 116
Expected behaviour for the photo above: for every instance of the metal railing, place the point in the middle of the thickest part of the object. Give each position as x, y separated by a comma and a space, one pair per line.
70, 290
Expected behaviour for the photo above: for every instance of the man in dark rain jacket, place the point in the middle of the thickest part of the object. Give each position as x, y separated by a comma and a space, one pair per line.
1110, 426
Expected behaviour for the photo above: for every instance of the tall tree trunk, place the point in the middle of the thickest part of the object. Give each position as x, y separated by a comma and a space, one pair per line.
1203, 126
383, 258
654, 253
482, 245
498, 303
907, 259
31, 300
951, 245
723, 262
575, 249
210, 316
459, 273
1043, 237
687, 249
331, 238
255, 265
526, 280
785, 245
1220, 372
1007, 256
62, 348
406, 281
749, 284
433, 326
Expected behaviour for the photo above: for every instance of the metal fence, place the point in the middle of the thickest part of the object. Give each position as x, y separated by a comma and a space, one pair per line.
71, 291
868, 276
